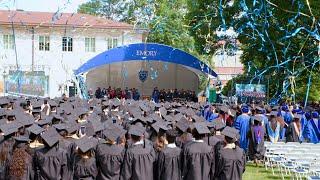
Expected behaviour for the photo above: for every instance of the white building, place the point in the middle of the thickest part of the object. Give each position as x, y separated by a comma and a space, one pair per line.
57, 43
227, 67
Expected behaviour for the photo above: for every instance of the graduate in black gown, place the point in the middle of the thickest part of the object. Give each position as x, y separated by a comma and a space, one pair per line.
216, 137
139, 157
230, 159
20, 166
7, 131
110, 155
169, 159
256, 139
50, 162
84, 161
198, 156
294, 131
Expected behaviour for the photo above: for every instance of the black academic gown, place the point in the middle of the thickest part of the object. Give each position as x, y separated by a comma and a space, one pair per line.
256, 151
169, 164
184, 139
198, 161
230, 164
109, 160
138, 163
291, 134
84, 169
50, 164
214, 140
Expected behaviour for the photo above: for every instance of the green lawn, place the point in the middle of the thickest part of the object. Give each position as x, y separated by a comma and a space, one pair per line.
260, 173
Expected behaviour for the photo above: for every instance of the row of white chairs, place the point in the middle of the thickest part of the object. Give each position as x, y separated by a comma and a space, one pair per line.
300, 161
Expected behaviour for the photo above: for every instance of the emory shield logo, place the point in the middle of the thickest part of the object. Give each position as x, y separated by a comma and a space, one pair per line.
143, 75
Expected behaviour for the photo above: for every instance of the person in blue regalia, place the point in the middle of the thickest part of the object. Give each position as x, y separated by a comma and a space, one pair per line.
287, 116
242, 124
313, 128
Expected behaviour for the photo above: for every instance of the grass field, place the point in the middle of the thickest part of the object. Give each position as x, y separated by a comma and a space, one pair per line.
260, 173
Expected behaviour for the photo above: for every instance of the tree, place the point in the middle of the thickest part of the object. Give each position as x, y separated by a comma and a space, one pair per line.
279, 40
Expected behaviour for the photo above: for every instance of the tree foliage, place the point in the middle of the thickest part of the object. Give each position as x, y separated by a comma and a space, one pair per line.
278, 39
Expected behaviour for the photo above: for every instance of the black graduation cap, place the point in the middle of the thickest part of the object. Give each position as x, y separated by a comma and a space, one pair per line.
111, 134
198, 118
178, 117
25, 119
139, 119
9, 128
36, 105
163, 111
85, 144
52, 103
60, 126
230, 132
36, 111
22, 139
136, 130
81, 111
144, 107
45, 121
2, 112
97, 126
57, 117
167, 105
189, 112
224, 109
217, 125
159, 125
257, 118
168, 118
50, 136
155, 117
10, 113
201, 128
72, 126
35, 129
4, 101
183, 124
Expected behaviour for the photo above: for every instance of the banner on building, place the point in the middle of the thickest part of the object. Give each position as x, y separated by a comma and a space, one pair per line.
28, 83
251, 90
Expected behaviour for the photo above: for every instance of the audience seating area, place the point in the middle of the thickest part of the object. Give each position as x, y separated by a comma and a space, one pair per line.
300, 161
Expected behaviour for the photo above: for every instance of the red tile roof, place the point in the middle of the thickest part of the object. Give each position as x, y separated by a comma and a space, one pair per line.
48, 19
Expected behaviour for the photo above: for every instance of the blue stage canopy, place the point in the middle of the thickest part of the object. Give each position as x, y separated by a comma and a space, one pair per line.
146, 52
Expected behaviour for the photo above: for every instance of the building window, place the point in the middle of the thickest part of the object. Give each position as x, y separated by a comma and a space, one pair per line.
67, 44
44, 43
112, 43
8, 42
90, 44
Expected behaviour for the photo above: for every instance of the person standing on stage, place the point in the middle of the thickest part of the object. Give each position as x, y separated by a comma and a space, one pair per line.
155, 95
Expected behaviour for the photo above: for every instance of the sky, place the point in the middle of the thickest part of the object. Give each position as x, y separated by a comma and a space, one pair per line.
42, 5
